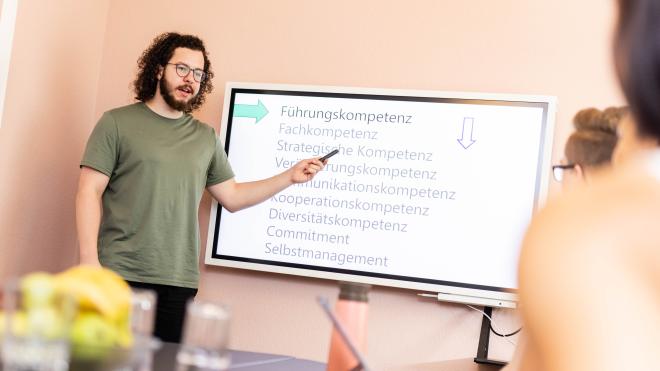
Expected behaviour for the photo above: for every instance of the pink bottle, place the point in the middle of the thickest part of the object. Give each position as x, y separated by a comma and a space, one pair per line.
351, 311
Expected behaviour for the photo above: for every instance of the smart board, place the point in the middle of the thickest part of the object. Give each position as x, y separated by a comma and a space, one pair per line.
429, 190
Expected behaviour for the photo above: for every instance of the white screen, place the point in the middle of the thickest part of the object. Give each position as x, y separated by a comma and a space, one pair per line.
426, 188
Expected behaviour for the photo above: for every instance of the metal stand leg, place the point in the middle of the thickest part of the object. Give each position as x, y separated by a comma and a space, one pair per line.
484, 338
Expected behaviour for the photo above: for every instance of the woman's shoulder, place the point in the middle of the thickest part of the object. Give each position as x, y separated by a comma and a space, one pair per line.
587, 256
615, 202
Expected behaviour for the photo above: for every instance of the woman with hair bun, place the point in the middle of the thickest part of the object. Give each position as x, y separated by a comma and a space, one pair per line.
589, 148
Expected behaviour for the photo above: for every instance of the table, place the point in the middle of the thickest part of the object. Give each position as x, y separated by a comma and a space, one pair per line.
165, 360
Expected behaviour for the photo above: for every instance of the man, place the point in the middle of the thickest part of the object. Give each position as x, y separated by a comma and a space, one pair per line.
143, 173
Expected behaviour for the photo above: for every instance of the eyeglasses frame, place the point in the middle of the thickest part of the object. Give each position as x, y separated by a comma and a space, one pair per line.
190, 69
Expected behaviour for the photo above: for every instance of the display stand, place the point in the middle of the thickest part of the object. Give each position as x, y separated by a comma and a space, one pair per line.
484, 339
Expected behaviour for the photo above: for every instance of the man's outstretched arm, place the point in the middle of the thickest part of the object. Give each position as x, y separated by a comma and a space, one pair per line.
237, 196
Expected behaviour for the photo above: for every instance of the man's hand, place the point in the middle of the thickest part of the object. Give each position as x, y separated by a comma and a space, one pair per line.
305, 170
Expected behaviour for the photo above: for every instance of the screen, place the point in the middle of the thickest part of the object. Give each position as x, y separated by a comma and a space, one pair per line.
428, 190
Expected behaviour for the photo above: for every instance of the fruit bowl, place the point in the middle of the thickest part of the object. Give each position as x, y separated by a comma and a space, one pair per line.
88, 310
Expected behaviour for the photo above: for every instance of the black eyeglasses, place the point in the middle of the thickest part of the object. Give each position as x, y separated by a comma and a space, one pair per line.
183, 70
558, 171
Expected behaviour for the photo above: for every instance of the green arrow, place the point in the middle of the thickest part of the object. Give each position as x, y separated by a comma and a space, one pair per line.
257, 111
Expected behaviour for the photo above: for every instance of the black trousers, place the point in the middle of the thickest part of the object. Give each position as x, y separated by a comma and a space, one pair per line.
170, 309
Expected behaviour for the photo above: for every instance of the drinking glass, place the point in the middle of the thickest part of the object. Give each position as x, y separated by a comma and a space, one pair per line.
36, 327
143, 315
205, 336
143, 312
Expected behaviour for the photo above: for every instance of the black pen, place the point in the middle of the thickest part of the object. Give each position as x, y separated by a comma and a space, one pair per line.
334, 152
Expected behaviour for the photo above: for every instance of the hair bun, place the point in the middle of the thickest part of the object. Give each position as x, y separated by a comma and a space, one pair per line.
593, 119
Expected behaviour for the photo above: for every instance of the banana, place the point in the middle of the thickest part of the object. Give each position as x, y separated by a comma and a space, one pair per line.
98, 289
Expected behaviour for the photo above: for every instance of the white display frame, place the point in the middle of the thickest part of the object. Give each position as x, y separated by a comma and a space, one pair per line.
452, 293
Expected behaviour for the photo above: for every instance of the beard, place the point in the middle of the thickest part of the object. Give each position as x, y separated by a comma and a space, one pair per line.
167, 92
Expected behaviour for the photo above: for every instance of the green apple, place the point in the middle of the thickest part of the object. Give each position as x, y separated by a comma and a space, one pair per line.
37, 289
92, 336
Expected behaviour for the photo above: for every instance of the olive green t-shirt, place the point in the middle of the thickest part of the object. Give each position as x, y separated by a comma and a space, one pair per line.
158, 169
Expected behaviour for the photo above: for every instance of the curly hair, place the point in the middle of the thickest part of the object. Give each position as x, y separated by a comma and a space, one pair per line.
158, 55
595, 136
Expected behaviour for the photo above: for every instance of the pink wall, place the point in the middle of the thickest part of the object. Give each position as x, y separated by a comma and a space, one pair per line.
49, 109
76, 69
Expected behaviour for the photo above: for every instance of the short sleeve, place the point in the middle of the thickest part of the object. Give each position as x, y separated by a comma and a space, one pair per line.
101, 152
219, 168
